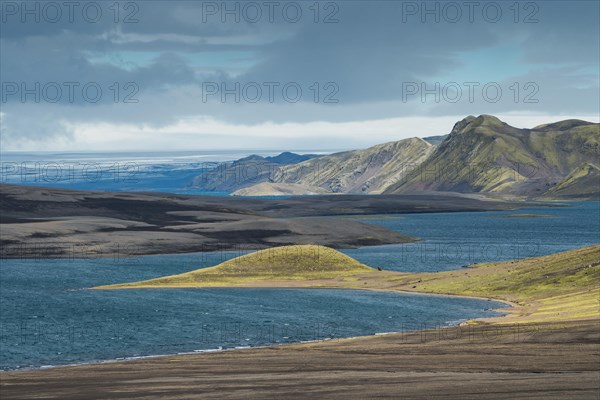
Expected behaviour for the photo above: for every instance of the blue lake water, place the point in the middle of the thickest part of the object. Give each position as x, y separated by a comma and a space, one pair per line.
451, 240
47, 317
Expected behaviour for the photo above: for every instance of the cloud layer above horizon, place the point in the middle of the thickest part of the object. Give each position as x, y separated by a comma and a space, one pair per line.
158, 75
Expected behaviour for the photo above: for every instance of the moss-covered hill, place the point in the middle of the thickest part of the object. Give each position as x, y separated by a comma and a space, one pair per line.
300, 262
556, 287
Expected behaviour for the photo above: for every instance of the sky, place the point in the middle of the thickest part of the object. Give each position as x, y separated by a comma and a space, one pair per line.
328, 75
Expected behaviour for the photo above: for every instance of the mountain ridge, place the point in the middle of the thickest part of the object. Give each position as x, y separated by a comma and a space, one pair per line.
481, 154
484, 154
247, 171
368, 170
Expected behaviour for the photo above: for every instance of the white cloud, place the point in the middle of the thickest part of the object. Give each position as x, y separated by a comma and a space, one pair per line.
206, 133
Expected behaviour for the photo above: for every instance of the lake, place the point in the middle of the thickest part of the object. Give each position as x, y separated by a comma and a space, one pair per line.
452, 240
48, 317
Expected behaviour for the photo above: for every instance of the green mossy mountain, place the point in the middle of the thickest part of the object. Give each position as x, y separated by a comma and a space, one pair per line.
584, 182
484, 154
480, 155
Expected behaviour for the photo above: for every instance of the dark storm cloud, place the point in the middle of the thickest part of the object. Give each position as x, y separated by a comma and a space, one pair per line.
370, 53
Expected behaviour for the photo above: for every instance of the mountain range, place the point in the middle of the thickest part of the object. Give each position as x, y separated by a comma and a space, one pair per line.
247, 171
480, 155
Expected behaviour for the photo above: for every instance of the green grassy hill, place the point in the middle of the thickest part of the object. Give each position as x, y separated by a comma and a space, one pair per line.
299, 262
559, 286
556, 287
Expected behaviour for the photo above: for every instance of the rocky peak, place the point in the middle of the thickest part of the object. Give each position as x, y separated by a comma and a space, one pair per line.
460, 125
473, 122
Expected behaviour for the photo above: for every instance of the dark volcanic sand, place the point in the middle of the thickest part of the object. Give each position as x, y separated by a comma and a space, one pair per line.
60, 223
542, 361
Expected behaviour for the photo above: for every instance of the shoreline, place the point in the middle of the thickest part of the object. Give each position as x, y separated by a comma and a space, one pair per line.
556, 360
506, 313
517, 311
183, 224
464, 296
546, 342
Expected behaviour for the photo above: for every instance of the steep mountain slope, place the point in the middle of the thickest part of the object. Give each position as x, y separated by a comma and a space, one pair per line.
361, 171
228, 177
484, 154
583, 183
